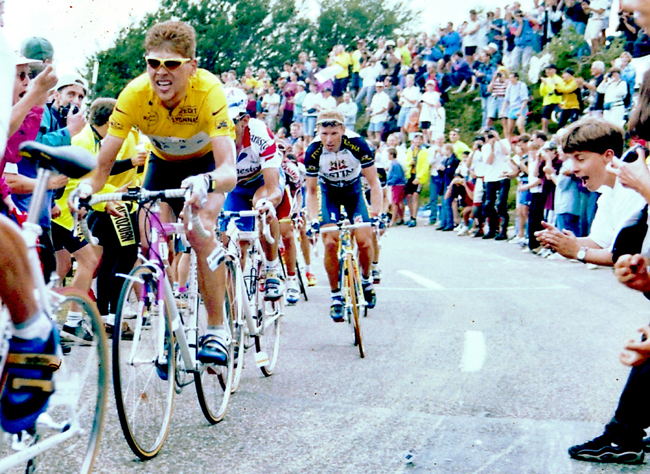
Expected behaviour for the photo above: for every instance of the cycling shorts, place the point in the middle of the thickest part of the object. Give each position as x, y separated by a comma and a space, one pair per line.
63, 238
350, 197
162, 174
383, 177
241, 199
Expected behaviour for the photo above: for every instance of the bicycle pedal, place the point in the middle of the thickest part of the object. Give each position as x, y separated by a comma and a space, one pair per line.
261, 359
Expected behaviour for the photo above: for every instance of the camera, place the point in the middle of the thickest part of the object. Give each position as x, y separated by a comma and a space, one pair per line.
68, 109
632, 154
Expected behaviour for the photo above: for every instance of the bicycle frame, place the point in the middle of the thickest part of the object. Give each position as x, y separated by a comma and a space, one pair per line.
48, 300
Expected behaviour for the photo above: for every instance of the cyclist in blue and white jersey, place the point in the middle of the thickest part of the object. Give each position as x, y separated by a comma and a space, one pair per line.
260, 184
335, 162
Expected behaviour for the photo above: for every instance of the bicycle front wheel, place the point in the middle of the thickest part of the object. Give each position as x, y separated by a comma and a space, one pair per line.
356, 302
81, 384
143, 364
213, 382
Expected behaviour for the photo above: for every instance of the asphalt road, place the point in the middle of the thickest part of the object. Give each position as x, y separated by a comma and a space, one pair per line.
479, 359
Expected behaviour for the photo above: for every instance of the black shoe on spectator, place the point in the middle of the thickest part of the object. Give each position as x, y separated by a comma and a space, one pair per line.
501, 236
479, 233
489, 235
604, 449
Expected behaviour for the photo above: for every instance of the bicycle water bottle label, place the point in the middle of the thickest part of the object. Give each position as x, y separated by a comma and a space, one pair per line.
215, 258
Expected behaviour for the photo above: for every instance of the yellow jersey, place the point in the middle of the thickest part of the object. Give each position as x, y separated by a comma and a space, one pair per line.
179, 134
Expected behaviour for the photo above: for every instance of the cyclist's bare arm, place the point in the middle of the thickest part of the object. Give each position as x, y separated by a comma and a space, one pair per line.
225, 173
376, 195
271, 188
312, 197
105, 159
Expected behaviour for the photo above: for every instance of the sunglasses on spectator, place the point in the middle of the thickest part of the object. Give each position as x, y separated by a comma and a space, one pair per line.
22, 75
169, 64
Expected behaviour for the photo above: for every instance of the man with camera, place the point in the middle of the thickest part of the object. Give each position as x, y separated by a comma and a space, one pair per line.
497, 184
63, 118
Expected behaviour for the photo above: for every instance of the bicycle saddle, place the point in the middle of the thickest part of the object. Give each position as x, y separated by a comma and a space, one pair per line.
71, 161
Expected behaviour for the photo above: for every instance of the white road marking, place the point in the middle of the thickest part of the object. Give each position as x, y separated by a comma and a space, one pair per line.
425, 282
512, 288
473, 352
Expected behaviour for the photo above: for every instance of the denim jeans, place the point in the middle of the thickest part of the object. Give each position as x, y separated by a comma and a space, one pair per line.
447, 214
435, 191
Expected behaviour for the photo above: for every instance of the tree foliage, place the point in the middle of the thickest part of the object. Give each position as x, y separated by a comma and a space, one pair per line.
233, 34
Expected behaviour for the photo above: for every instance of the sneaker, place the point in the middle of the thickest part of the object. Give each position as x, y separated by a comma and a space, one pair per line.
213, 350
311, 279
375, 273
369, 295
463, 231
28, 386
79, 334
293, 294
273, 287
515, 240
501, 236
412, 223
603, 449
127, 332
336, 310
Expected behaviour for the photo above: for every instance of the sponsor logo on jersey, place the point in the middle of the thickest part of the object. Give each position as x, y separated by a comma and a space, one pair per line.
263, 144
151, 118
186, 114
242, 157
116, 125
222, 124
350, 145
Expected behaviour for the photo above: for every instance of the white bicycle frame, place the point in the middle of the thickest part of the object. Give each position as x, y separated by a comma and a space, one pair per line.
244, 303
67, 392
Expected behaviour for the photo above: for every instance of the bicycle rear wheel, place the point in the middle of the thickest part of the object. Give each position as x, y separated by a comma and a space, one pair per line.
356, 299
213, 382
79, 402
237, 324
143, 364
267, 340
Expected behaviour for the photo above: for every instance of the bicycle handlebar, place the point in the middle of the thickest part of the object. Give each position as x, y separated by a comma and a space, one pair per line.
341, 226
266, 228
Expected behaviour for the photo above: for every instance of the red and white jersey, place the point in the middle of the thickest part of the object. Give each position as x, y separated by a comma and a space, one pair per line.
258, 152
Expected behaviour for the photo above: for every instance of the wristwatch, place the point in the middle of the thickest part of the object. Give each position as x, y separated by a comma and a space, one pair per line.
582, 254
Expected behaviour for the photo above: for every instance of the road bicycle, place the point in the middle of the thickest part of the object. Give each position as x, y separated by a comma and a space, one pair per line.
153, 364
257, 322
299, 277
66, 437
354, 303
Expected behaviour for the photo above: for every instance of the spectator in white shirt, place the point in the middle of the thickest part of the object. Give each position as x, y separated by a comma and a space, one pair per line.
496, 153
378, 111
310, 112
432, 114
370, 71
349, 110
327, 101
271, 107
409, 99
615, 90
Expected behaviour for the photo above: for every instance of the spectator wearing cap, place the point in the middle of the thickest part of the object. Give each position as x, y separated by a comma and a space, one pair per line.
349, 109
550, 96
497, 89
432, 113
39, 49
495, 54
570, 104
496, 33
378, 112
327, 101
63, 118
615, 90
450, 40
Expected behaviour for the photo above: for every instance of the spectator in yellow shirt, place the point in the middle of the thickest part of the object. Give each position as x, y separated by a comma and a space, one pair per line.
550, 97
341, 58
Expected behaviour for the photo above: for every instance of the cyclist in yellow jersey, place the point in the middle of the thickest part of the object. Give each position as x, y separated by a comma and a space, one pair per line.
183, 111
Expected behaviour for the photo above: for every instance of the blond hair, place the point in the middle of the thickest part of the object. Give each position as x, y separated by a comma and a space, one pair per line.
175, 36
330, 116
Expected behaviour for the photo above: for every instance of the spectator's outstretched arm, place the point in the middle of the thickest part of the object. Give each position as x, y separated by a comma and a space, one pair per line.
633, 175
638, 352
568, 245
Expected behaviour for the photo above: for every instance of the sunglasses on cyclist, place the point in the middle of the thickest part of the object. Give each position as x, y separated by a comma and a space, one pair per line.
169, 64
330, 123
